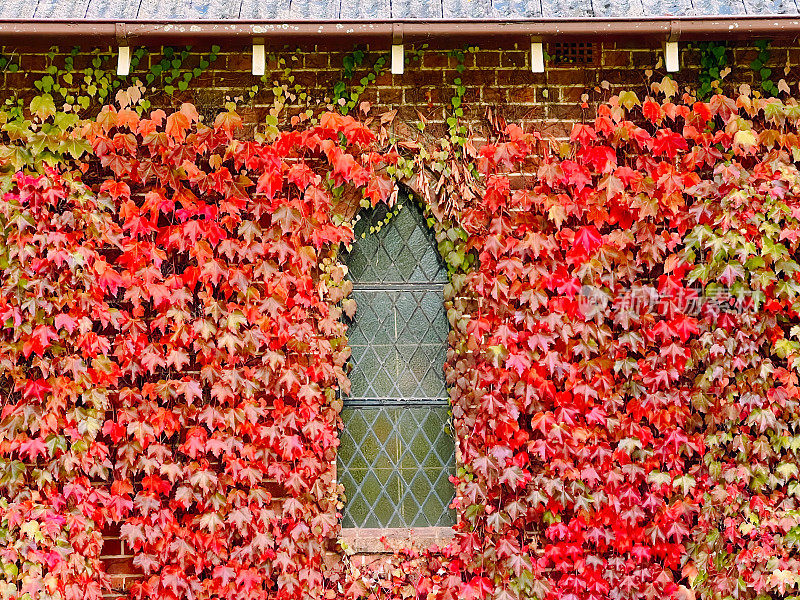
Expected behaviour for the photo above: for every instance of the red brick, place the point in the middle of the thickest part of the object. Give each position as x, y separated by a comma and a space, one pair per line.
575, 76
494, 95
550, 94
406, 113
557, 127
123, 582
384, 79
644, 60
616, 58
423, 78
112, 547
231, 80
206, 80
35, 62
745, 55
519, 77
369, 95
793, 55
471, 94
19, 80
487, 58
525, 95
429, 96
437, 60
316, 60
120, 566
514, 59
390, 95
619, 76
571, 94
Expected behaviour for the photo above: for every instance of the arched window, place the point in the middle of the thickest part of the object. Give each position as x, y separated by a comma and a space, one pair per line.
396, 452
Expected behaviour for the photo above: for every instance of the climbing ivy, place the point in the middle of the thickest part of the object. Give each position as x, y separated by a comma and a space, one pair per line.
346, 98
8, 63
282, 94
456, 128
350, 62
713, 60
81, 87
762, 71
172, 70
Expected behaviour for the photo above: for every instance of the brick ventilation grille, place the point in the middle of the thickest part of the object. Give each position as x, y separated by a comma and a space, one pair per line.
572, 53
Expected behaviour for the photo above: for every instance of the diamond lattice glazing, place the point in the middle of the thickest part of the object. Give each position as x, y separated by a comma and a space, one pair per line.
402, 251
395, 465
398, 342
397, 452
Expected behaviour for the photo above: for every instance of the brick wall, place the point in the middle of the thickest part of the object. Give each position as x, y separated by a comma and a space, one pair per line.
497, 79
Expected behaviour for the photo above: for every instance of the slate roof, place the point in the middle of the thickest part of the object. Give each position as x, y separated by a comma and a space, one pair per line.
188, 10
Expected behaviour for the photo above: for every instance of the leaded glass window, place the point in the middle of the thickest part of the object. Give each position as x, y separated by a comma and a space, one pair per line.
396, 452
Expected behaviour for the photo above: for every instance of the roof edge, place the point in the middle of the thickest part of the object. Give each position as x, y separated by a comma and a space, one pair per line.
49, 31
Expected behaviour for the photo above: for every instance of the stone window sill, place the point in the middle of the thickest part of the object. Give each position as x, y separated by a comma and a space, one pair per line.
371, 541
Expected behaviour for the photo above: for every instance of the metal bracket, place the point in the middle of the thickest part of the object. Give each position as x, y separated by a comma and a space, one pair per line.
674, 31
121, 33
397, 33
672, 52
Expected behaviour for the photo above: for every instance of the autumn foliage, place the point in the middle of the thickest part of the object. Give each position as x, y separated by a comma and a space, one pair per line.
623, 356
171, 348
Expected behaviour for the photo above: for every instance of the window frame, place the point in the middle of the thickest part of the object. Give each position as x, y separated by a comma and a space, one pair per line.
364, 539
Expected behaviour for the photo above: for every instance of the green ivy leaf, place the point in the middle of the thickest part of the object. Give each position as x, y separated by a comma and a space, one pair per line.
43, 106
65, 121
76, 147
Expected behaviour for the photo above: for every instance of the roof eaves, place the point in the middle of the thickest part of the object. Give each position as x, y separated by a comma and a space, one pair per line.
143, 32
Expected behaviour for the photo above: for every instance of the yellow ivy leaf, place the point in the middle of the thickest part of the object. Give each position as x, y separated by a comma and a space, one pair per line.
744, 138
668, 87
629, 99
557, 214
43, 106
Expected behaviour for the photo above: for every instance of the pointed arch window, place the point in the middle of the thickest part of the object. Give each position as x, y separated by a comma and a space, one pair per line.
397, 451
